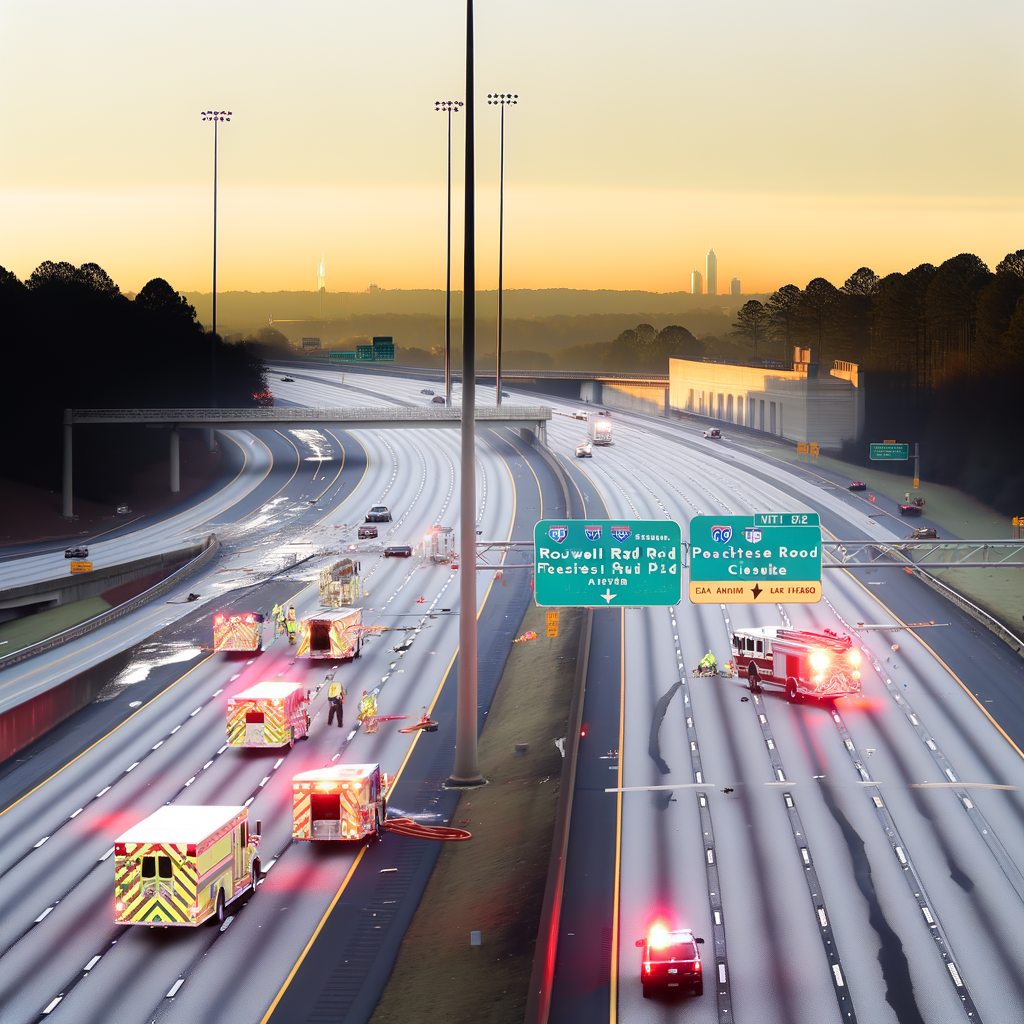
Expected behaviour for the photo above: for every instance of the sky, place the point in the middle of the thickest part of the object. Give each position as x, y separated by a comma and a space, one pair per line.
799, 139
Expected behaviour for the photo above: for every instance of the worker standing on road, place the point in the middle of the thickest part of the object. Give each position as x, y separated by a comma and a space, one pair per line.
279, 626
336, 699
275, 614
291, 624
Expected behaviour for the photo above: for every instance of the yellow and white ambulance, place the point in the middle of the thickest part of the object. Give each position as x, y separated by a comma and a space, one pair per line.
268, 715
345, 801
183, 865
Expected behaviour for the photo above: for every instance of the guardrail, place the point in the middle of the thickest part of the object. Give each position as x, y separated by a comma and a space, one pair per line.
354, 414
67, 635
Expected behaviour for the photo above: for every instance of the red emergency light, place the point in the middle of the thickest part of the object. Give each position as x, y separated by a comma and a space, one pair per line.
120, 850
218, 619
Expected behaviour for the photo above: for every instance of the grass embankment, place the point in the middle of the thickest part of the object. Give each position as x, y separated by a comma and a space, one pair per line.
494, 883
998, 591
30, 629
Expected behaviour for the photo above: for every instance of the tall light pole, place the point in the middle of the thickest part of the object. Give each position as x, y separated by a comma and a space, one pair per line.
467, 764
448, 107
503, 100
216, 116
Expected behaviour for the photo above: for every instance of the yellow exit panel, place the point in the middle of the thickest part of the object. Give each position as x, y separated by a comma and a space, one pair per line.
81, 566
766, 592
552, 618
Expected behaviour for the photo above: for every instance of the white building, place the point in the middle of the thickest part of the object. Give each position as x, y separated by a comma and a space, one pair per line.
734, 288
712, 272
695, 282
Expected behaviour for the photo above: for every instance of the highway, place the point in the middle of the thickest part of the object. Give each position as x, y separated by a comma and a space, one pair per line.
786, 822
59, 948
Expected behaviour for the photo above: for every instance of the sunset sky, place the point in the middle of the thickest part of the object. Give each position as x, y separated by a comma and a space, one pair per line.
797, 138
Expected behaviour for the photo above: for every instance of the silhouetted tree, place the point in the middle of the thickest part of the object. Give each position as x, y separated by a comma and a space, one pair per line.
752, 322
782, 317
818, 313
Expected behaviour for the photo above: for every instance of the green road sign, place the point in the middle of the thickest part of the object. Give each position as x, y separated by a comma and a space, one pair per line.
737, 560
888, 451
586, 563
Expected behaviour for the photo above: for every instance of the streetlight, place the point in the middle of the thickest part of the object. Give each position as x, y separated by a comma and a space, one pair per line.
466, 771
216, 116
503, 100
448, 107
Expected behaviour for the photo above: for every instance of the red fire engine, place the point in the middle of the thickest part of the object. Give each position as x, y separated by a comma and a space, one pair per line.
803, 664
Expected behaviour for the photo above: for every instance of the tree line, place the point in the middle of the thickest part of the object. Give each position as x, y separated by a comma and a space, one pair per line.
71, 339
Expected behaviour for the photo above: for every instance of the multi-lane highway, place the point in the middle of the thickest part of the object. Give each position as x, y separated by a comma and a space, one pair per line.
846, 862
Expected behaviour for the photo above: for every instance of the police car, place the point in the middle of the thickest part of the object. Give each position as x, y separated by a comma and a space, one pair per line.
670, 960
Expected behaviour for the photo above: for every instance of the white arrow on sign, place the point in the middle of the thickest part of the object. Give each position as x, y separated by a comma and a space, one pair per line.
609, 596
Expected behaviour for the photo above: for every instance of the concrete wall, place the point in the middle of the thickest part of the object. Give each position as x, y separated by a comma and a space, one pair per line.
652, 401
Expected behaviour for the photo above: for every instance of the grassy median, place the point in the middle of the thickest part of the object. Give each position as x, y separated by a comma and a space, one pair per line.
494, 883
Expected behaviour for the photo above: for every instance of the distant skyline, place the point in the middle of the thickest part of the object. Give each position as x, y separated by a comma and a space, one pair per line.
858, 171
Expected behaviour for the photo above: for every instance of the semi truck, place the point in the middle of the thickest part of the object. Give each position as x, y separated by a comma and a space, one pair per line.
440, 543
344, 801
242, 631
339, 636
268, 715
599, 428
183, 865
802, 663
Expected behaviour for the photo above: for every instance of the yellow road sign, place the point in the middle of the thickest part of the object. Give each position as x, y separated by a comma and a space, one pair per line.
801, 448
81, 566
552, 619
756, 592
814, 449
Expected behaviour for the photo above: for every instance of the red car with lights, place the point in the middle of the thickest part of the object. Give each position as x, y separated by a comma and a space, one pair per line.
802, 663
670, 960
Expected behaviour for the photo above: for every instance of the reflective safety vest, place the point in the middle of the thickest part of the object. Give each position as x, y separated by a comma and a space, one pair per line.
336, 692
708, 661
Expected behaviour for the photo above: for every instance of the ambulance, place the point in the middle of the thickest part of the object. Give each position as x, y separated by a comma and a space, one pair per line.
240, 632
268, 715
337, 637
183, 865
802, 663
345, 801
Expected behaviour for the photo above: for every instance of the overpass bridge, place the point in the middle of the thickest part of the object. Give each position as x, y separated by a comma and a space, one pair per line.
531, 418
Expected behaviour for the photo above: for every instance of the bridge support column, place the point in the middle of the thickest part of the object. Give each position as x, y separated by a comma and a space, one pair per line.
211, 443
67, 476
175, 463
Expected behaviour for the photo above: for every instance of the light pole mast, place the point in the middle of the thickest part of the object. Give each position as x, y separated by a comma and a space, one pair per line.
216, 116
448, 107
467, 764
501, 99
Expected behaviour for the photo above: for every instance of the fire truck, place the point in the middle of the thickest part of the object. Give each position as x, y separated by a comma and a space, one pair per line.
344, 801
241, 632
339, 583
340, 636
268, 715
440, 543
803, 664
182, 865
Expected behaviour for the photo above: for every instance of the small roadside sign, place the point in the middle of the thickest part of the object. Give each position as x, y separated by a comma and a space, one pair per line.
888, 451
814, 449
81, 566
763, 559
552, 622
801, 448
607, 563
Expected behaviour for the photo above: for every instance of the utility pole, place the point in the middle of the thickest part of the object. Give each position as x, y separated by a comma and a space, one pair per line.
917, 465
501, 99
467, 764
216, 116
448, 107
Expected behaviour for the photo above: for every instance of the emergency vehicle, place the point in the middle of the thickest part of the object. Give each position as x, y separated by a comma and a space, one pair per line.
670, 960
338, 637
339, 583
241, 632
345, 801
182, 865
268, 715
804, 664
440, 543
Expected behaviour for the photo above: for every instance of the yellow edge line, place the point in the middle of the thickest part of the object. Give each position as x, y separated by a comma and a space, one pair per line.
565, 459
597, 491
613, 999
137, 711
298, 462
398, 775
245, 462
924, 644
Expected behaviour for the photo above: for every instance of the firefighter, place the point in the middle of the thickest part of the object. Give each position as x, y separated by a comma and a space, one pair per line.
290, 624
708, 665
336, 699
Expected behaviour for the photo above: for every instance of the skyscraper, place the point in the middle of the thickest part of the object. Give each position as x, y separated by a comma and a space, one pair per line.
695, 282
712, 272
736, 286
321, 287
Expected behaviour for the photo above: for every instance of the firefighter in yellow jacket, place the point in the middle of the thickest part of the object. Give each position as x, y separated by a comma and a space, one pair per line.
291, 624
336, 699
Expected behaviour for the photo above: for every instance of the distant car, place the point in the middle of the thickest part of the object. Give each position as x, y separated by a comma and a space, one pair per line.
923, 533
398, 551
378, 514
858, 485
670, 960
426, 391
438, 399
910, 510
288, 380
714, 434
584, 451
367, 532
123, 510
580, 414
79, 551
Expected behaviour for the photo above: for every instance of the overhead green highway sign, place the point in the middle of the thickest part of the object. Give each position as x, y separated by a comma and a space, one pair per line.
616, 563
762, 559
889, 451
